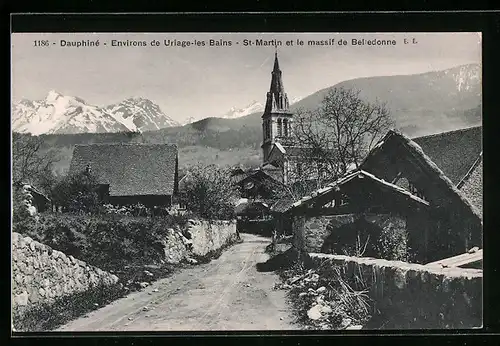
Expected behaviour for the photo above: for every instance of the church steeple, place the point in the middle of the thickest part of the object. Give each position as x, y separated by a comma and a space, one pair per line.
277, 99
276, 62
277, 119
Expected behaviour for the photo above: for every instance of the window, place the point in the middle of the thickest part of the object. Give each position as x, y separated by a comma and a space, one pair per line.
285, 127
267, 132
280, 129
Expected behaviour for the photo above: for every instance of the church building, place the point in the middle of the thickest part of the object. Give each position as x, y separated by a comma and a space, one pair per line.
278, 147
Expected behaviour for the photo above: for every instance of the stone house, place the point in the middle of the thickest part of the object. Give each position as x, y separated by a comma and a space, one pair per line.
399, 185
131, 173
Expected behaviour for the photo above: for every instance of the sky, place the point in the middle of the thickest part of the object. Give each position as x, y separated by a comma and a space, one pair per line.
202, 81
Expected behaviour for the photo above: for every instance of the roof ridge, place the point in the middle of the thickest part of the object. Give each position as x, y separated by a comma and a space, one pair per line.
471, 169
128, 144
447, 132
415, 148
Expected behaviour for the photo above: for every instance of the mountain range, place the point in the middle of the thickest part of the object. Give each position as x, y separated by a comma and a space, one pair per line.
419, 104
58, 114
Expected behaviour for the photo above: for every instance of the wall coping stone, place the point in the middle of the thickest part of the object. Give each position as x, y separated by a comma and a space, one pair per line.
405, 266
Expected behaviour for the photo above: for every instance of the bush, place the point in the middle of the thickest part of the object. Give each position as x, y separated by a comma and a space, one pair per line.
210, 193
106, 241
387, 240
77, 193
137, 209
392, 243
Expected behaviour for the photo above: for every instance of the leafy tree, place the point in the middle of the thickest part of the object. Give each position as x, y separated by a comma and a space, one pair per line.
77, 193
209, 192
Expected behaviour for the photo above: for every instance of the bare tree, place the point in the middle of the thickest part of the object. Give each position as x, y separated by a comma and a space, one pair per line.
29, 162
338, 134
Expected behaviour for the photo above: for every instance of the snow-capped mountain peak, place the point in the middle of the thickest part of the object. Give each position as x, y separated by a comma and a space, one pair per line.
253, 107
140, 114
58, 113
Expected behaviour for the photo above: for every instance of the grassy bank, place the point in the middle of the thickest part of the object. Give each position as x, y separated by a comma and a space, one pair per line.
319, 302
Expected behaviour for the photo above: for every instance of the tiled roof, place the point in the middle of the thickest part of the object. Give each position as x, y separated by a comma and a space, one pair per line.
282, 205
287, 205
472, 185
130, 169
453, 152
251, 207
396, 138
256, 174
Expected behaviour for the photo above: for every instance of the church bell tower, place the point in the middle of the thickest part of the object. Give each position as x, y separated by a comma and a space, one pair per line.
277, 118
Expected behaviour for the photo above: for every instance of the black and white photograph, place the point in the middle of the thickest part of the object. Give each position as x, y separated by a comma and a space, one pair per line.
288, 181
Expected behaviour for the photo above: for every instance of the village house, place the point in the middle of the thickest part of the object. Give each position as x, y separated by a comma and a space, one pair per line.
131, 173
259, 188
430, 187
258, 184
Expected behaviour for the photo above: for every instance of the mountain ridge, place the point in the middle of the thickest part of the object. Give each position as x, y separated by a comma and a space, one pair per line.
58, 113
435, 96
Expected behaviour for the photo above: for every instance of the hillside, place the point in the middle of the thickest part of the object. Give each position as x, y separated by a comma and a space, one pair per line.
420, 104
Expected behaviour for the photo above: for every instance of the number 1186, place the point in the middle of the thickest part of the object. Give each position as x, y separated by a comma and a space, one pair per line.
41, 43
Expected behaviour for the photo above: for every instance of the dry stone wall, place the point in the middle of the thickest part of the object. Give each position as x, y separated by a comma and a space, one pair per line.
175, 246
316, 230
210, 236
412, 295
41, 274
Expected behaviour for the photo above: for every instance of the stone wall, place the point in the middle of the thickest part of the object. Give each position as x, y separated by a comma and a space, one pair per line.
175, 246
316, 230
41, 274
379, 235
210, 236
409, 295
199, 238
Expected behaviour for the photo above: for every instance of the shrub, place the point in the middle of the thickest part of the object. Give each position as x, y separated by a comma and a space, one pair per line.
77, 193
210, 193
392, 243
106, 241
388, 239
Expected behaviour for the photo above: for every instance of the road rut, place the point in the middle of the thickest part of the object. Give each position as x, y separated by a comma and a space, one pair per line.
226, 294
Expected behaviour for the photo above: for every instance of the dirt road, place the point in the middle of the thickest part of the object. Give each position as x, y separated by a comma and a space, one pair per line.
226, 294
